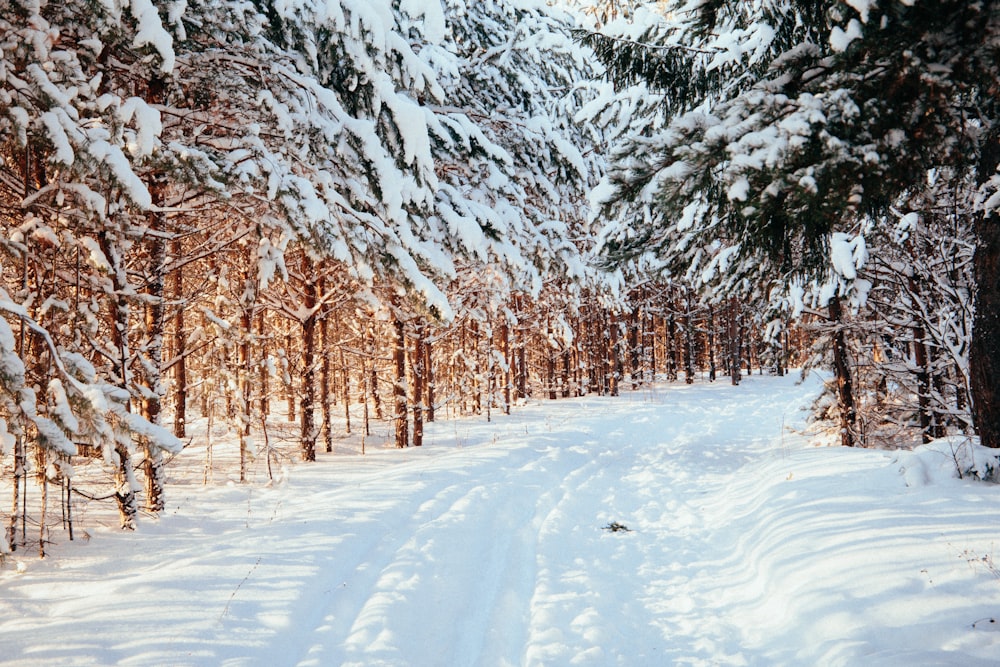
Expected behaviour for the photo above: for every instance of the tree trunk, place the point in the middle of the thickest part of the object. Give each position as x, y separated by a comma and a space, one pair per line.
399, 386
417, 365
263, 371
615, 353
152, 353
125, 485
634, 348
289, 382
984, 350
244, 382
345, 389
522, 360
373, 376
565, 373
670, 348
711, 343
429, 375
180, 345
735, 344
307, 391
842, 372
922, 371
125, 488
324, 385
688, 339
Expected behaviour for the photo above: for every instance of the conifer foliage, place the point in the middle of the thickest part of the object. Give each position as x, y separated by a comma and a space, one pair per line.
205, 204
795, 128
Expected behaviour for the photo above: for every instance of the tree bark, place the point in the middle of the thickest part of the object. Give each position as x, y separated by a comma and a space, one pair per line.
180, 345
711, 343
688, 339
324, 385
399, 386
307, 391
842, 372
417, 365
244, 383
125, 485
984, 350
152, 354
734, 342
429, 375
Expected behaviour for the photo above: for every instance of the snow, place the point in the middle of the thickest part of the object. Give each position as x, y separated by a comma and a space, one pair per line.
431, 14
847, 254
150, 32
148, 126
840, 39
862, 7
748, 543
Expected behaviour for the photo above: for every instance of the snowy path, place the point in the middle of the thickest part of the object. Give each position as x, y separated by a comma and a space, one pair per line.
486, 548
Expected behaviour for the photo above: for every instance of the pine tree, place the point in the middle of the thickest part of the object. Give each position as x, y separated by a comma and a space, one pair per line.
790, 123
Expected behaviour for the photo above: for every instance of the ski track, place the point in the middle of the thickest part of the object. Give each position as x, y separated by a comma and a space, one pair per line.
374, 567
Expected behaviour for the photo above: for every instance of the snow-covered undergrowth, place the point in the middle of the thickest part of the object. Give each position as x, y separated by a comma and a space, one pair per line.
746, 545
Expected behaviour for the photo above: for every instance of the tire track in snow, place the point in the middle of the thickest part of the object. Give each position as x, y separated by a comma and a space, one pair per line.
530, 518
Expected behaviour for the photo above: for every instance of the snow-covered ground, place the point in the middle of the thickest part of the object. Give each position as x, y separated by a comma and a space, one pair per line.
747, 545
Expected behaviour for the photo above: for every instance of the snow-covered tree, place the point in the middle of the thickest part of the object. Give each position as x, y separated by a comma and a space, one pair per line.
792, 123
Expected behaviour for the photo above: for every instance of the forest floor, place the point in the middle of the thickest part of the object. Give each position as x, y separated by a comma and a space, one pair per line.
677, 525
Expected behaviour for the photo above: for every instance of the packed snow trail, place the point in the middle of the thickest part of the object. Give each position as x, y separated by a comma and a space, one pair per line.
488, 547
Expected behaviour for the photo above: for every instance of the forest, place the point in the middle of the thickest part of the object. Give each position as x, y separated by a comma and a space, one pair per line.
244, 211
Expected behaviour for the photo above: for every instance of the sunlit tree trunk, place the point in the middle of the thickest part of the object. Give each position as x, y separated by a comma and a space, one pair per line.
399, 383
307, 389
151, 358
325, 385
180, 388
429, 373
419, 375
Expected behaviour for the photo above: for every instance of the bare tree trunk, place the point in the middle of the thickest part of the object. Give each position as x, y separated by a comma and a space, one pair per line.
417, 366
550, 364
984, 349
735, 342
324, 385
614, 351
124, 479
670, 348
921, 372
264, 373
688, 338
565, 357
373, 378
152, 356
345, 392
289, 382
711, 343
307, 391
634, 348
429, 373
522, 362
243, 372
125, 486
180, 345
505, 345
41, 464
399, 386
842, 372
